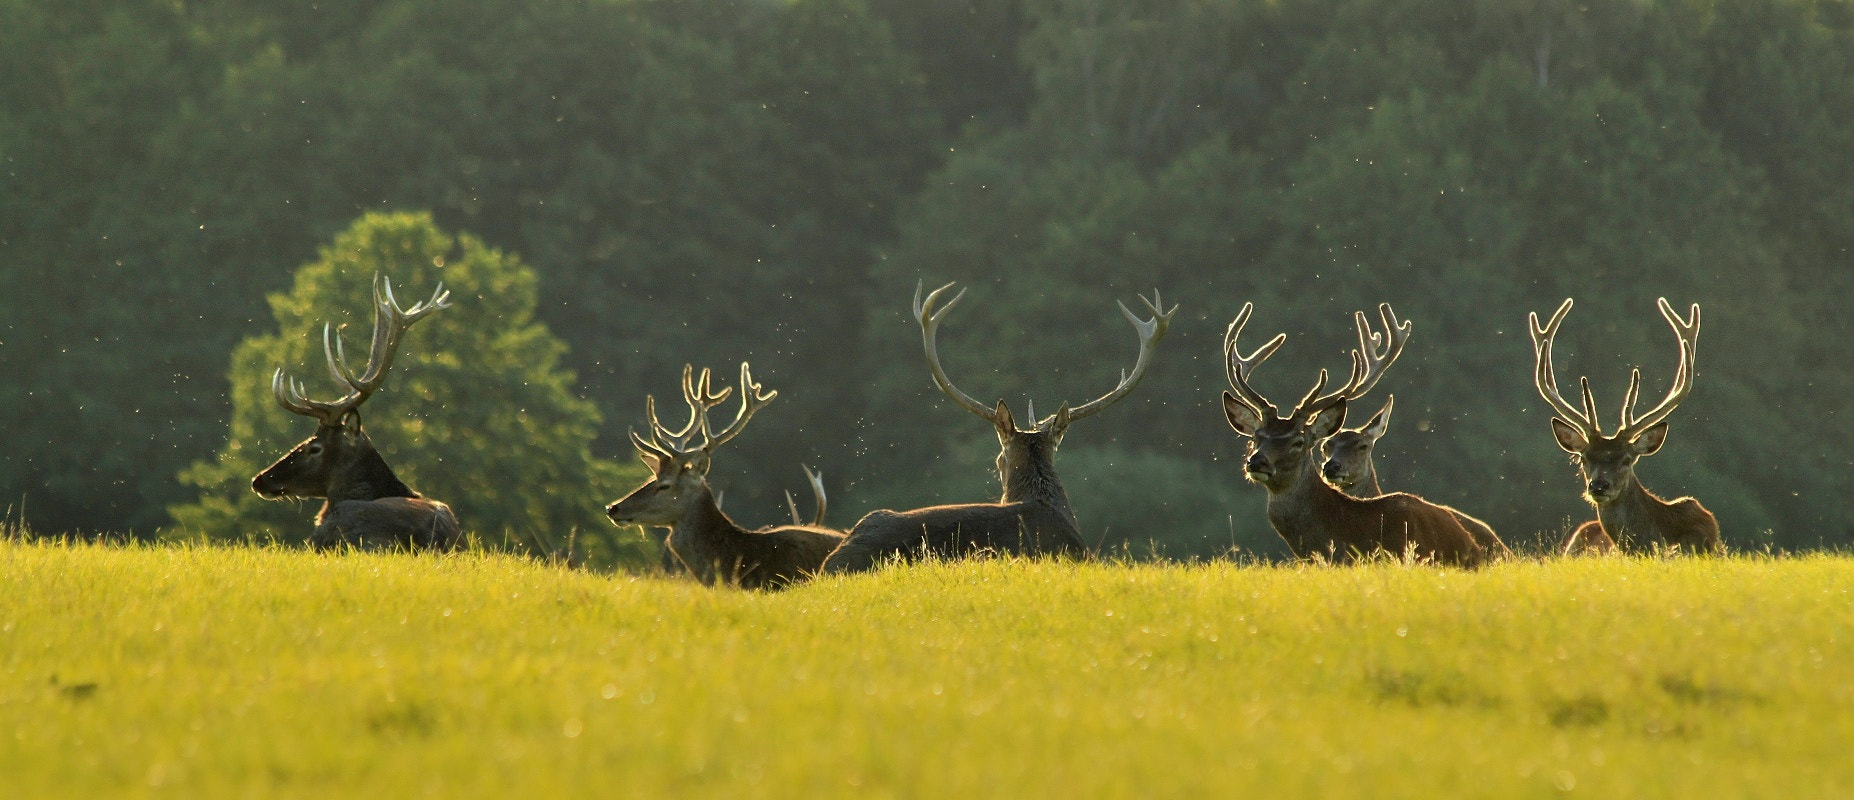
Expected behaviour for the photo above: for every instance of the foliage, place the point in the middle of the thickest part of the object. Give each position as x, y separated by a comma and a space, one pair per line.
484, 675
477, 411
706, 182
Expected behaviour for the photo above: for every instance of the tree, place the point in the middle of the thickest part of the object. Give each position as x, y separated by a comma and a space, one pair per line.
477, 411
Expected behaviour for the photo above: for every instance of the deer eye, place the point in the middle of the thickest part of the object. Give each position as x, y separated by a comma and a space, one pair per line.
314, 448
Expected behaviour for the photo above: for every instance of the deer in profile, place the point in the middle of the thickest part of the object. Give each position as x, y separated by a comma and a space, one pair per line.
1349, 467
1315, 519
1629, 516
703, 541
1033, 518
365, 506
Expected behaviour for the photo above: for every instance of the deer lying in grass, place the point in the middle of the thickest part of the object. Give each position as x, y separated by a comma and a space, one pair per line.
1348, 467
1315, 519
1033, 517
702, 540
1628, 515
366, 505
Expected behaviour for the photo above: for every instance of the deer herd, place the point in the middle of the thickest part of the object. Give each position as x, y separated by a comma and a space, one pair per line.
1323, 495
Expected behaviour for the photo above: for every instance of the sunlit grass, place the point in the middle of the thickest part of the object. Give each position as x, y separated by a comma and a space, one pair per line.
205, 672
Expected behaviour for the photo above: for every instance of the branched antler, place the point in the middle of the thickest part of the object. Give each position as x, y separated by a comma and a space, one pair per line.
390, 322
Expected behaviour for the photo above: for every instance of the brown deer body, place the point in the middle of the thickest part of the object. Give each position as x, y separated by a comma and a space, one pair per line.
703, 541
1033, 518
1629, 517
1312, 517
366, 505
1350, 468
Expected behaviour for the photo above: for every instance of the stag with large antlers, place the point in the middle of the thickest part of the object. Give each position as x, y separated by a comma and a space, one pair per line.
1348, 465
1315, 519
1033, 517
1628, 515
366, 505
702, 540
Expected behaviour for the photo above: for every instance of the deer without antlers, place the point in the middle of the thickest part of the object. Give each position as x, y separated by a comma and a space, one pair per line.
1628, 515
366, 505
703, 541
1349, 467
1033, 517
1313, 518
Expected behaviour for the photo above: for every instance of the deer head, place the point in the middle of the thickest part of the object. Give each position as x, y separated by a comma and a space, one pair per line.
339, 461
1608, 461
1280, 447
680, 459
1347, 454
1021, 448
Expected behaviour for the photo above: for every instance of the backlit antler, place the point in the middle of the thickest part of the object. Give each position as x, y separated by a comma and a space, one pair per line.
1545, 378
1368, 363
697, 393
751, 401
1687, 331
1238, 366
390, 322
1150, 331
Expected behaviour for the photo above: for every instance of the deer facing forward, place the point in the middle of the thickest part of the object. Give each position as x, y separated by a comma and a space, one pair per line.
366, 505
1315, 519
1350, 468
1628, 515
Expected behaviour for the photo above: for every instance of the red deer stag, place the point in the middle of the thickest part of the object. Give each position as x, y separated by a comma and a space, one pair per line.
366, 505
1033, 517
1315, 519
702, 540
1349, 467
1628, 515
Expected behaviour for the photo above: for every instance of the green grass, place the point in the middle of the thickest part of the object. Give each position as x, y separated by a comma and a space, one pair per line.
203, 672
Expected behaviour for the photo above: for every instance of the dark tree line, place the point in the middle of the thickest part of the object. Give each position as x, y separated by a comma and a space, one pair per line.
713, 182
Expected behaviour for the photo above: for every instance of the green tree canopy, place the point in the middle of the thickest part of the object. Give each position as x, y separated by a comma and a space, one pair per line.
477, 411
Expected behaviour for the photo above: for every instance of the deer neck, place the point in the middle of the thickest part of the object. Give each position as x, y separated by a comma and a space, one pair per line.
365, 477
1305, 510
699, 538
1634, 516
1036, 482
1368, 485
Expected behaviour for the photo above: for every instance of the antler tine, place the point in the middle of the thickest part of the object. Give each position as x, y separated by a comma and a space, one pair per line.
751, 401
1368, 363
389, 324
289, 394
1238, 366
1687, 331
650, 447
1545, 377
1150, 332
929, 320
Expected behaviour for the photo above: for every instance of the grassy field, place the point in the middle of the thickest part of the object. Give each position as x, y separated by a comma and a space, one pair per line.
207, 672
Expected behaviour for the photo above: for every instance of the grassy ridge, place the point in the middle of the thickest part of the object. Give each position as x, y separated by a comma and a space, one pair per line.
231, 671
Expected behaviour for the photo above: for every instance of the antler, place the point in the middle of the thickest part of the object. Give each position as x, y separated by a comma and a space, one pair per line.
1150, 331
696, 392
751, 401
1687, 331
390, 322
1368, 363
1545, 378
1238, 366
930, 325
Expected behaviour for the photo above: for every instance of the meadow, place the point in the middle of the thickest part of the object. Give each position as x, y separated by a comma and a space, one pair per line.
209, 671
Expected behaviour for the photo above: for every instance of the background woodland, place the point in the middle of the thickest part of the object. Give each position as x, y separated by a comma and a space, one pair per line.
644, 184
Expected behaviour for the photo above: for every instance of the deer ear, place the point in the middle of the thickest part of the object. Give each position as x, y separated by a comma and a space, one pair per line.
1005, 423
1328, 422
1570, 439
1650, 440
1380, 422
1243, 418
1059, 424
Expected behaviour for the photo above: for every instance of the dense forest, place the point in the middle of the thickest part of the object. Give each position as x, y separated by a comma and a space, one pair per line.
707, 182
